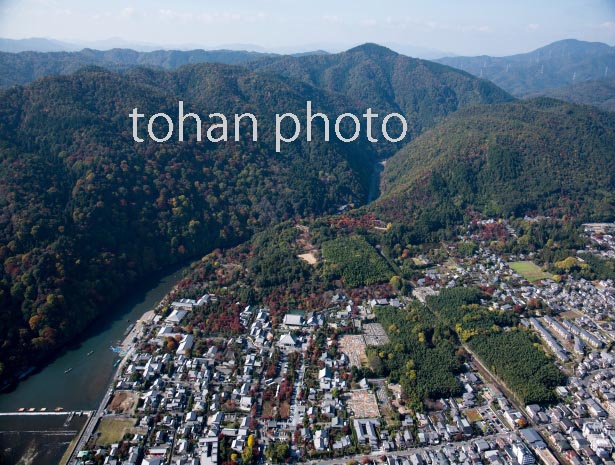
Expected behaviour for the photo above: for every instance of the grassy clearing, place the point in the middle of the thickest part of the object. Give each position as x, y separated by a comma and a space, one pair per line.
529, 271
113, 429
571, 314
284, 410
267, 409
473, 416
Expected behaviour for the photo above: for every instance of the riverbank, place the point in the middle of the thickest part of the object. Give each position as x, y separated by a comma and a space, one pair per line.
127, 346
77, 380
137, 330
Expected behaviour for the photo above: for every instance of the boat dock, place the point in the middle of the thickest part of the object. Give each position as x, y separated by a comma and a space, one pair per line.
44, 412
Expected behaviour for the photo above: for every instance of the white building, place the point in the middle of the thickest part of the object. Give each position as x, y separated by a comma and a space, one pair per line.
523, 454
185, 344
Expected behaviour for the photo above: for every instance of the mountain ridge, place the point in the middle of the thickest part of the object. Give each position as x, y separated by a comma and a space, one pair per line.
599, 93
373, 76
85, 211
554, 65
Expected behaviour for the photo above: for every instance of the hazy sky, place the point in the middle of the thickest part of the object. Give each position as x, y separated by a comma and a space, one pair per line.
495, 27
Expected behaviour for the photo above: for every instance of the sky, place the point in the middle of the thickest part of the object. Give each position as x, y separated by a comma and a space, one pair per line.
462, 27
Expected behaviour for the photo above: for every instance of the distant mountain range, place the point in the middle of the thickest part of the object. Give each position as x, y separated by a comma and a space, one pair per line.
52, 45
559, 64
24, 67
34, 44
600, 94
40, 44
572, 70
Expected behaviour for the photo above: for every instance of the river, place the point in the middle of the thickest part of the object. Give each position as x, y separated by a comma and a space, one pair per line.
89, 363
374, 181
78, 378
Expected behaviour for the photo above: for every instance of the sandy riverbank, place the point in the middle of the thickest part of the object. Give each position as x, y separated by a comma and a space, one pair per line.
136, 331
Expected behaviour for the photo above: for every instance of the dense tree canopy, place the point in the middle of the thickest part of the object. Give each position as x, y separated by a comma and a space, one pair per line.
85, 211
524, 368
524, 158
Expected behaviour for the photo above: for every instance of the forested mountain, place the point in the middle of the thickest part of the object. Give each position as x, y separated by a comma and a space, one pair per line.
24, 67
561, 63
537, 156
85, 211
366, 76
600, 94
374, 76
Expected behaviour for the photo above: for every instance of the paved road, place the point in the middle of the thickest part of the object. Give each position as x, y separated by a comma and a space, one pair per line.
297, 417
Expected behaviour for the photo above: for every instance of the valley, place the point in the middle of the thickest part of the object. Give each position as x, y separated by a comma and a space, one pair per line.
441, 292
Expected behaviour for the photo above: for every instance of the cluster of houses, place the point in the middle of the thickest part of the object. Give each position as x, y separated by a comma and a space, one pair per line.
187, 403
602, 239
497, 451
193, 407
589, 306
591, 298
487, 268
578, 428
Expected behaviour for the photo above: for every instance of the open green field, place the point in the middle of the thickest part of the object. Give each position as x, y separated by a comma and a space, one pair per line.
473, 416
113, 429
529, 271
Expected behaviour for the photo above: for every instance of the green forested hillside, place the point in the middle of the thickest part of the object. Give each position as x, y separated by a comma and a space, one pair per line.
355, 261
600, 93
374, 76
540, 156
